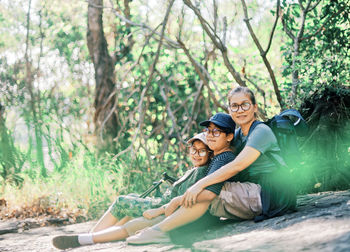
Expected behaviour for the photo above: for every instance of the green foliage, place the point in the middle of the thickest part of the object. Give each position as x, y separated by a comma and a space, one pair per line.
323, 56
175, 99
326, 149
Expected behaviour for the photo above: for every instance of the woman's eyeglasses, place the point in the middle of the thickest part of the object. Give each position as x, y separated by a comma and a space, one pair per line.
214, 132
245, 106
201, 152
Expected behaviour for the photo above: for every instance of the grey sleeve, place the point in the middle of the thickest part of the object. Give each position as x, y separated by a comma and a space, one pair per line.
261, 138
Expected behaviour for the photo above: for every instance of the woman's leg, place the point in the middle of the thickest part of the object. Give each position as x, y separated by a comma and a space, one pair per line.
183, 216
157, 233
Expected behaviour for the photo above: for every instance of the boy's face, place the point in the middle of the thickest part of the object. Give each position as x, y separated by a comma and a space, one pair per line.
217, 143
197, 151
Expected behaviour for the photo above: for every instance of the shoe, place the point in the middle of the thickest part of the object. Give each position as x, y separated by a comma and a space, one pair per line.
65, 242
149, 235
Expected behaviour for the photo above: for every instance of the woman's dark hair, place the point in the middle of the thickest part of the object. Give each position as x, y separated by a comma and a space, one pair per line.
243, 90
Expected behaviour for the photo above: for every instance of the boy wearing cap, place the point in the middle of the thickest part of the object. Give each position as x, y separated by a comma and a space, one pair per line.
219, 132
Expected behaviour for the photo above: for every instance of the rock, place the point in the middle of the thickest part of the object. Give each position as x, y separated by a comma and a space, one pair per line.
322, 223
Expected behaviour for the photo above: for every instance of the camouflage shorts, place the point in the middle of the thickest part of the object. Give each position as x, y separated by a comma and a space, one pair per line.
132, 205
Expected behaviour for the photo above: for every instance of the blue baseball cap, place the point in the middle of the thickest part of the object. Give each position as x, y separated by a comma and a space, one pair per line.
222, 120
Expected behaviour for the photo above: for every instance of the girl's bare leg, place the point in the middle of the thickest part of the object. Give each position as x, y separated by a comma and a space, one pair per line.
120, 232
183, 216
108, 220
113, 233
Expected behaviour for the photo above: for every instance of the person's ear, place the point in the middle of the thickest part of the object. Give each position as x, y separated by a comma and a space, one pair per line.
229, 137
255, 107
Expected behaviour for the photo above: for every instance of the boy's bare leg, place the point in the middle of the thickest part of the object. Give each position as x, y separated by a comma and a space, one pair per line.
183, 216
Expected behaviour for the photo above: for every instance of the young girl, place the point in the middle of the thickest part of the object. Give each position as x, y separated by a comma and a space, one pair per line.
117, 222
219, 133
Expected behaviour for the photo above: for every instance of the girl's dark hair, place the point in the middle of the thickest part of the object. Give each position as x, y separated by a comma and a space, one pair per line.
243, 90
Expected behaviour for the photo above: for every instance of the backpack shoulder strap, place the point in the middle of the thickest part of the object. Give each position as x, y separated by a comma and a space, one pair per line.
253, 126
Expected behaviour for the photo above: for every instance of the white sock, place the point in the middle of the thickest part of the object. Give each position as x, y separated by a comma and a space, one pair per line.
85, 239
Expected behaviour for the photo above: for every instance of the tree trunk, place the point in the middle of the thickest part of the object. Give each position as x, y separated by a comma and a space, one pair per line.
104, 77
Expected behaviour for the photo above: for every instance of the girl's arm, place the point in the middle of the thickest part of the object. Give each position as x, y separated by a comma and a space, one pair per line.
154, 212
166, 209
245, 158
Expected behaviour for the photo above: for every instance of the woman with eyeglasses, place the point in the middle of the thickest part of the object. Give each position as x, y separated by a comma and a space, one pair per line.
260, 179
219, 131
117, 222
258, 187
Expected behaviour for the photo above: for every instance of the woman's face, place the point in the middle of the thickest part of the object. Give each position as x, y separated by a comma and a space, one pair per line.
241, 116
197, 148
217, 143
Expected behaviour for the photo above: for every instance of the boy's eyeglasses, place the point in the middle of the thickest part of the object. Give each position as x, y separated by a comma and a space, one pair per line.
201, 152
214, 132
245, 106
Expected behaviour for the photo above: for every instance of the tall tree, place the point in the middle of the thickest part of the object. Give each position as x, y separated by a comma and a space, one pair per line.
104, 72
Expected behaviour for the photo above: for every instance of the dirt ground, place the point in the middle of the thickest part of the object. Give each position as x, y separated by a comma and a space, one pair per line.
322, 223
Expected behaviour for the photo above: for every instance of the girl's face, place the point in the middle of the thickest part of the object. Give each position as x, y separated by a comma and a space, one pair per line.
217, 143
246, 109
196, 152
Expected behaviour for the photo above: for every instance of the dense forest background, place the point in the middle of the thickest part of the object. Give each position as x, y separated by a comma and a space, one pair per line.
99, 97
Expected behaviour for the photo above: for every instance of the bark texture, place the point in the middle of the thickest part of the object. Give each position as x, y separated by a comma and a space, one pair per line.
104, 76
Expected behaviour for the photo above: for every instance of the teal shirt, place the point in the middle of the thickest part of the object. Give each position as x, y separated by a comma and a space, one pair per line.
187, 180
181, 185
262, 139
277, 192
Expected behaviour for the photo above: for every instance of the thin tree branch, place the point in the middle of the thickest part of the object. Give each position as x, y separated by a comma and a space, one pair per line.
315, 5
303, 20
150, 78
274, 27
323, 25
190, 120
116, 88
301, 5
217, 42
170, 112
215, 10
201, 76
285, 28
263, 53
141, 25
224, 31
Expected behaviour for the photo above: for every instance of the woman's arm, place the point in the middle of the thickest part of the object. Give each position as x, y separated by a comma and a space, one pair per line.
245, 158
